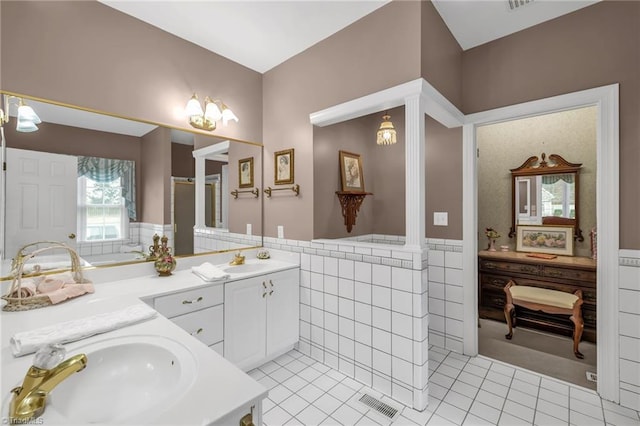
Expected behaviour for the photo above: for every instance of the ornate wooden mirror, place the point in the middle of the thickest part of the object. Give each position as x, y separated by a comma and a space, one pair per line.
546, 193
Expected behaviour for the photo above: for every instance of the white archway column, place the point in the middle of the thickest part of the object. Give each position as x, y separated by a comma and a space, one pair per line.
415, 184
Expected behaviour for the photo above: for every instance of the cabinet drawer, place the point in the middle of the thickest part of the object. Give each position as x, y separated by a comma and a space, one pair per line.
206, 325
519, 268
571, 274
493, 282
176, 304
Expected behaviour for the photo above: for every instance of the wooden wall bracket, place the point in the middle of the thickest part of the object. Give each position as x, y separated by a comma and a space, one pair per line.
351, 202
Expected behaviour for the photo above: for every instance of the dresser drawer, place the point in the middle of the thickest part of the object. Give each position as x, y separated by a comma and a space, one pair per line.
176, 304
570, 274
206, 325
512, 267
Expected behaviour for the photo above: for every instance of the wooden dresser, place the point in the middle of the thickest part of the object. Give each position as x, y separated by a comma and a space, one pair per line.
568, 274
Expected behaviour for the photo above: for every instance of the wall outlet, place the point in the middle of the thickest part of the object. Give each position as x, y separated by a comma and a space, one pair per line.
249, 229
280, 231
440, 218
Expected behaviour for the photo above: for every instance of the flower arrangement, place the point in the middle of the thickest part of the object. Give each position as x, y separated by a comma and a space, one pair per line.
491, 233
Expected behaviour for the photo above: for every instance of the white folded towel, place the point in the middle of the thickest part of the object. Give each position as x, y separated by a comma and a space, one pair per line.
209, 272
69, 331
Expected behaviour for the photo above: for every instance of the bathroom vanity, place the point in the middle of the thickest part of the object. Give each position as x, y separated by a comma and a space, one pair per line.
563, 273
198, 322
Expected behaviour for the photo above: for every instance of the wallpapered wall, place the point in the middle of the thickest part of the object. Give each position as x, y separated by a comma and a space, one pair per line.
504, 146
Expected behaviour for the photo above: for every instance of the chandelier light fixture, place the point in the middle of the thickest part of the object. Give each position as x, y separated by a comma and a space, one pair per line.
386, 132
26, 119
207, 118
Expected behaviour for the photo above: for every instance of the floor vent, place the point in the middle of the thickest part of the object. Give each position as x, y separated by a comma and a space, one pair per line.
592, 377
379, 406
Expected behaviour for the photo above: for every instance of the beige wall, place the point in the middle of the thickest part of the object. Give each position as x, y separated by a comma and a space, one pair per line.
90, 55
347, 65
59, 139
156, 176
246, 208
595, 46
444, 179
383, 170
441, 59
504, 146
183, 164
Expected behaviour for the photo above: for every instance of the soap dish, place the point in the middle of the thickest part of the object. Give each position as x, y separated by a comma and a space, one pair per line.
263, 254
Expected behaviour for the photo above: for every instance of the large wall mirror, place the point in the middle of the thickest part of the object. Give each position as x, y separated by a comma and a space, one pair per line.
546, 193
105, 185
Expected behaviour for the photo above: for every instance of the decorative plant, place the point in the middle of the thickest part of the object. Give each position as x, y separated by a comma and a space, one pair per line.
491, 233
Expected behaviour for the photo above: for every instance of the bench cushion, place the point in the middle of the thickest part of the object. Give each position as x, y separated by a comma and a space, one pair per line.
543, 296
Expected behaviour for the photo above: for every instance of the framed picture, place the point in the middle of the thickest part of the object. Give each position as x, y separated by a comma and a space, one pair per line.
283, 167
245, 172
351, 172
545, 239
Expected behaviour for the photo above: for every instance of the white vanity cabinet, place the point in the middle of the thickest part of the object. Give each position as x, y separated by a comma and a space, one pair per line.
200, 312
261, 318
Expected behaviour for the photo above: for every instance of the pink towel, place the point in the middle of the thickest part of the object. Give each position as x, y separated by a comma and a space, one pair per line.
68, 291
27, 288
50, 284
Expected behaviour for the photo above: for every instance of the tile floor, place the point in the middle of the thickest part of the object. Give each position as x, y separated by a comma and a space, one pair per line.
463, 391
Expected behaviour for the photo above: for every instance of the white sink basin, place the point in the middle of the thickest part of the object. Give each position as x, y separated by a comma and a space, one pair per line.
246, 268
127, 379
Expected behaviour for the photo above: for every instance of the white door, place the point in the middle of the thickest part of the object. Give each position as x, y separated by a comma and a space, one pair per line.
41, 198
283, 310
244, 322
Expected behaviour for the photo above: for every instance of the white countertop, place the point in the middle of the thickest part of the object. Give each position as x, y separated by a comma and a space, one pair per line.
220, 387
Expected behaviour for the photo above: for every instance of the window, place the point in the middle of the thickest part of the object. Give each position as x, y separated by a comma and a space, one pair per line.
102, 214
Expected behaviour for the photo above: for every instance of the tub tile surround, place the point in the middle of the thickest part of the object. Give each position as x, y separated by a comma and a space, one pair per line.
140, 234
210, 239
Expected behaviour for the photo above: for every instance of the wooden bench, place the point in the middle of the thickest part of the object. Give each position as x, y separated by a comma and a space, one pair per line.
545, 300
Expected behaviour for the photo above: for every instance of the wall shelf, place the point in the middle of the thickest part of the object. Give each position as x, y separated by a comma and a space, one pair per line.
351, 202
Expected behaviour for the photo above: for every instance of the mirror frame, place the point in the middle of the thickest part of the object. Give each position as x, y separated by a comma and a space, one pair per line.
155, 123
556, 165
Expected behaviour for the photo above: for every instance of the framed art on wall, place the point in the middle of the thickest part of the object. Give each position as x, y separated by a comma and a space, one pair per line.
351, 172
283, 167
545, 239
245, 172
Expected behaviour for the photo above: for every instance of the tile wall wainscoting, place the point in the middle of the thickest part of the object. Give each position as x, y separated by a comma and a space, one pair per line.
364, 304
438, 275
629, 320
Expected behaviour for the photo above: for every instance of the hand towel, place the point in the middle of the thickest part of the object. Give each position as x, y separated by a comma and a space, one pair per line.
69, 291
50, 284
210, 273
27, 288
70, 331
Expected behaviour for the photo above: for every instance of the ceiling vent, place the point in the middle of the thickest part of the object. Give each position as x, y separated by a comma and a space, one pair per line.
518, 4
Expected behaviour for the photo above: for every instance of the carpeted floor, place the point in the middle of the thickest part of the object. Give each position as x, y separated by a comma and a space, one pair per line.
534, 350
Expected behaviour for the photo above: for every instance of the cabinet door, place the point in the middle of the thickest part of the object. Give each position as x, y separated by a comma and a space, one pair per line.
283, 310
244, 325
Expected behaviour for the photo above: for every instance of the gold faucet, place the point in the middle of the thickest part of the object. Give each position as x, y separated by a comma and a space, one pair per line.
238, 259
29, 400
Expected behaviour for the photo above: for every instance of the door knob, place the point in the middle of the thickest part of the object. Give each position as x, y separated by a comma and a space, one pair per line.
72, 236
